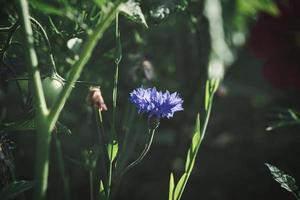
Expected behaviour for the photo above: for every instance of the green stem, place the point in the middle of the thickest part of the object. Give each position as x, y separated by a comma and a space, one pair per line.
43, 131
84, 57
203, 131
142, 155
91, 185
102, 143
108, 185
31, 59
62, 168
115, 94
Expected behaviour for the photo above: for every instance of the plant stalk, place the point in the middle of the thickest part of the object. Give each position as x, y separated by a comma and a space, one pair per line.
41, 111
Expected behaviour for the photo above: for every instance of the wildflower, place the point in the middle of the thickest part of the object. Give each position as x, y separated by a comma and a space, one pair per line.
156, 103
95, 98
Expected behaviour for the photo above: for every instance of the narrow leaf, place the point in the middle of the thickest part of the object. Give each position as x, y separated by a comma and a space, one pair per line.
207, 95
14, 189
189, 163
180, 186
197, 134
101, 190
171, 187
112, 150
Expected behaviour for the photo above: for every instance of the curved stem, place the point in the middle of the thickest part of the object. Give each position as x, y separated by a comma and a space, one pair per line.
142, 155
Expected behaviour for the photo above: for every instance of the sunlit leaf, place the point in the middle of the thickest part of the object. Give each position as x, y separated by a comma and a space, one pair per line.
14, 189
286, 181
101, 190
207, 95
171, 187
180, 186
112, 150
252, 7
133, 11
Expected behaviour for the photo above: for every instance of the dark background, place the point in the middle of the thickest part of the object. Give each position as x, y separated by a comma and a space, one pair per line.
230, 164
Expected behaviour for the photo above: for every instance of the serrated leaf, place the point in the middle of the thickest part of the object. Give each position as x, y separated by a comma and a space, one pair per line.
180, 186
133, 11
14, 189
171, 187
286, 181
112, 150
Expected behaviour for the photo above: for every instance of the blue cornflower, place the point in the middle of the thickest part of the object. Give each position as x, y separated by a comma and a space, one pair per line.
156, 103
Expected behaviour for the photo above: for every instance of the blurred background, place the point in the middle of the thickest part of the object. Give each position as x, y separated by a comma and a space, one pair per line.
261, 81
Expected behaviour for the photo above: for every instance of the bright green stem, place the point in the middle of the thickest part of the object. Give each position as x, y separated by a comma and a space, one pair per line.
84, 57
43, 131
204, 127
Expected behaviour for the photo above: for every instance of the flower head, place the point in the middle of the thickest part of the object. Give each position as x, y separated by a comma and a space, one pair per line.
156, 103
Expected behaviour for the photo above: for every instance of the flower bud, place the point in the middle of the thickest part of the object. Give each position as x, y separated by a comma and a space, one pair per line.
95, 98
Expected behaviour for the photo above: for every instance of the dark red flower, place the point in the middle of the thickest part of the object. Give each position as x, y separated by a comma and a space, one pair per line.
276, 40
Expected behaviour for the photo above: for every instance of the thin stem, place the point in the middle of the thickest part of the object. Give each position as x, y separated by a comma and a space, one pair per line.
84, 57
91, 185
108, 186
142, 155
117, 61
100, 131
62, 168
115, 94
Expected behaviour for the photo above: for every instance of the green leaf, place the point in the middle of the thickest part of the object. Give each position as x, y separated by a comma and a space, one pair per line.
180, 186
45, 8
207, 95
14, 189
112, 150
189, 163
286, 181
197, 134
133, 11
100, 3
101, 190
171, 187
252, 7
196, 141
